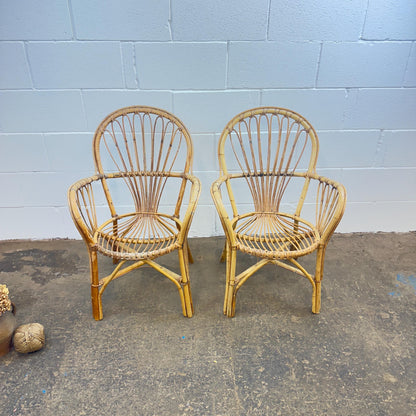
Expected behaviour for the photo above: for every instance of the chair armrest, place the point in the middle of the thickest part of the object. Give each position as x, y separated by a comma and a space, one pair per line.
193, 199
222, 212
331, 199
81, 203
330, 202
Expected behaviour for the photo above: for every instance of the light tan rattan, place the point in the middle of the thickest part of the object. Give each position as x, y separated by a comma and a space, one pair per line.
140, 154
269, 149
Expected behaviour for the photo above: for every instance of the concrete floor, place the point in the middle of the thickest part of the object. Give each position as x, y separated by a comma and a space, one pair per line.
274, 358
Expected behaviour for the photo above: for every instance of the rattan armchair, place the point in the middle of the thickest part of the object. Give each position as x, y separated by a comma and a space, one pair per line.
280, 209
132, 209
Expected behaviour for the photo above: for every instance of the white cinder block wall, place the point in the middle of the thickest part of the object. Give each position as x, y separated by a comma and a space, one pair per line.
349, 66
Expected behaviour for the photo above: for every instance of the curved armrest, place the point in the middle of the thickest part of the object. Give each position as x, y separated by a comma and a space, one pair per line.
330, 203
193, 199
222, 212
81, 203
331, 199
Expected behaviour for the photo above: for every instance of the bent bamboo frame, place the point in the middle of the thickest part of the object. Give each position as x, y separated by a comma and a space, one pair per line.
144, 145
268, 145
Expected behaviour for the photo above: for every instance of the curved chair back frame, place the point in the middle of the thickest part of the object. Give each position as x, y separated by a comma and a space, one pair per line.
147, 142
269, 145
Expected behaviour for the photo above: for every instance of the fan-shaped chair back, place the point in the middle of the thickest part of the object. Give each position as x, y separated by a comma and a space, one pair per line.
268, 145
144, 144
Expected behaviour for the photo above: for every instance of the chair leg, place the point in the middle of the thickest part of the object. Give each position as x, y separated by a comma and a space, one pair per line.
319, 271
224, 253
97, 310
230, 290
190, 257
186, 295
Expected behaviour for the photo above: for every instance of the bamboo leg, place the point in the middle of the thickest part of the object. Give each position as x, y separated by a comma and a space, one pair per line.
187, 289
316, 295
190, 257
115, 232
186, 298
224, 253
230, 289
97, 310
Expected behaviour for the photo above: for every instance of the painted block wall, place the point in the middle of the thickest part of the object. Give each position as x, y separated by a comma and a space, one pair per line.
347, 66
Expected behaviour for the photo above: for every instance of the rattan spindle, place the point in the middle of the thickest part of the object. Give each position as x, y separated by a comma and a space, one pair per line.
143, 161
274, 151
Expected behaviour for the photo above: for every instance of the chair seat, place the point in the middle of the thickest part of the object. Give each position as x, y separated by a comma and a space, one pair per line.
275, 235
137, 236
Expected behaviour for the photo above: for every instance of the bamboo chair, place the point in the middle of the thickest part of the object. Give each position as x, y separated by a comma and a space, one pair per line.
130, 209
286, 211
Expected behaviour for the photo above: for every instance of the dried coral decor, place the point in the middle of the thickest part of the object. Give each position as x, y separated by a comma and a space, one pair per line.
132, 209
269, 155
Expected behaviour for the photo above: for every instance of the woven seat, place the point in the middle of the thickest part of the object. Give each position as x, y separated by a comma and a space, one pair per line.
275, 235
143, 161
273, 152
137, 236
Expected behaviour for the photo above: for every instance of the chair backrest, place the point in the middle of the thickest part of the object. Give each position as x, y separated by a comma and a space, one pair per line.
144, 145
268, 145
142, 139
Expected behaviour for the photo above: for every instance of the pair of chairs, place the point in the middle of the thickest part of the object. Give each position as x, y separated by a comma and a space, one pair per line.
133, 208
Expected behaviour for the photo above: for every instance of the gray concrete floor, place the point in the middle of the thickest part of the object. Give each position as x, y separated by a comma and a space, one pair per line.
357, 357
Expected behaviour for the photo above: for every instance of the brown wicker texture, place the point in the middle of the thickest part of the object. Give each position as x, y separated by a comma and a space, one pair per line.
268, 155
131, 209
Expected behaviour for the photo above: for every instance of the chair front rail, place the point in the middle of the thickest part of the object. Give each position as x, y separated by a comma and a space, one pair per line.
296, 268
